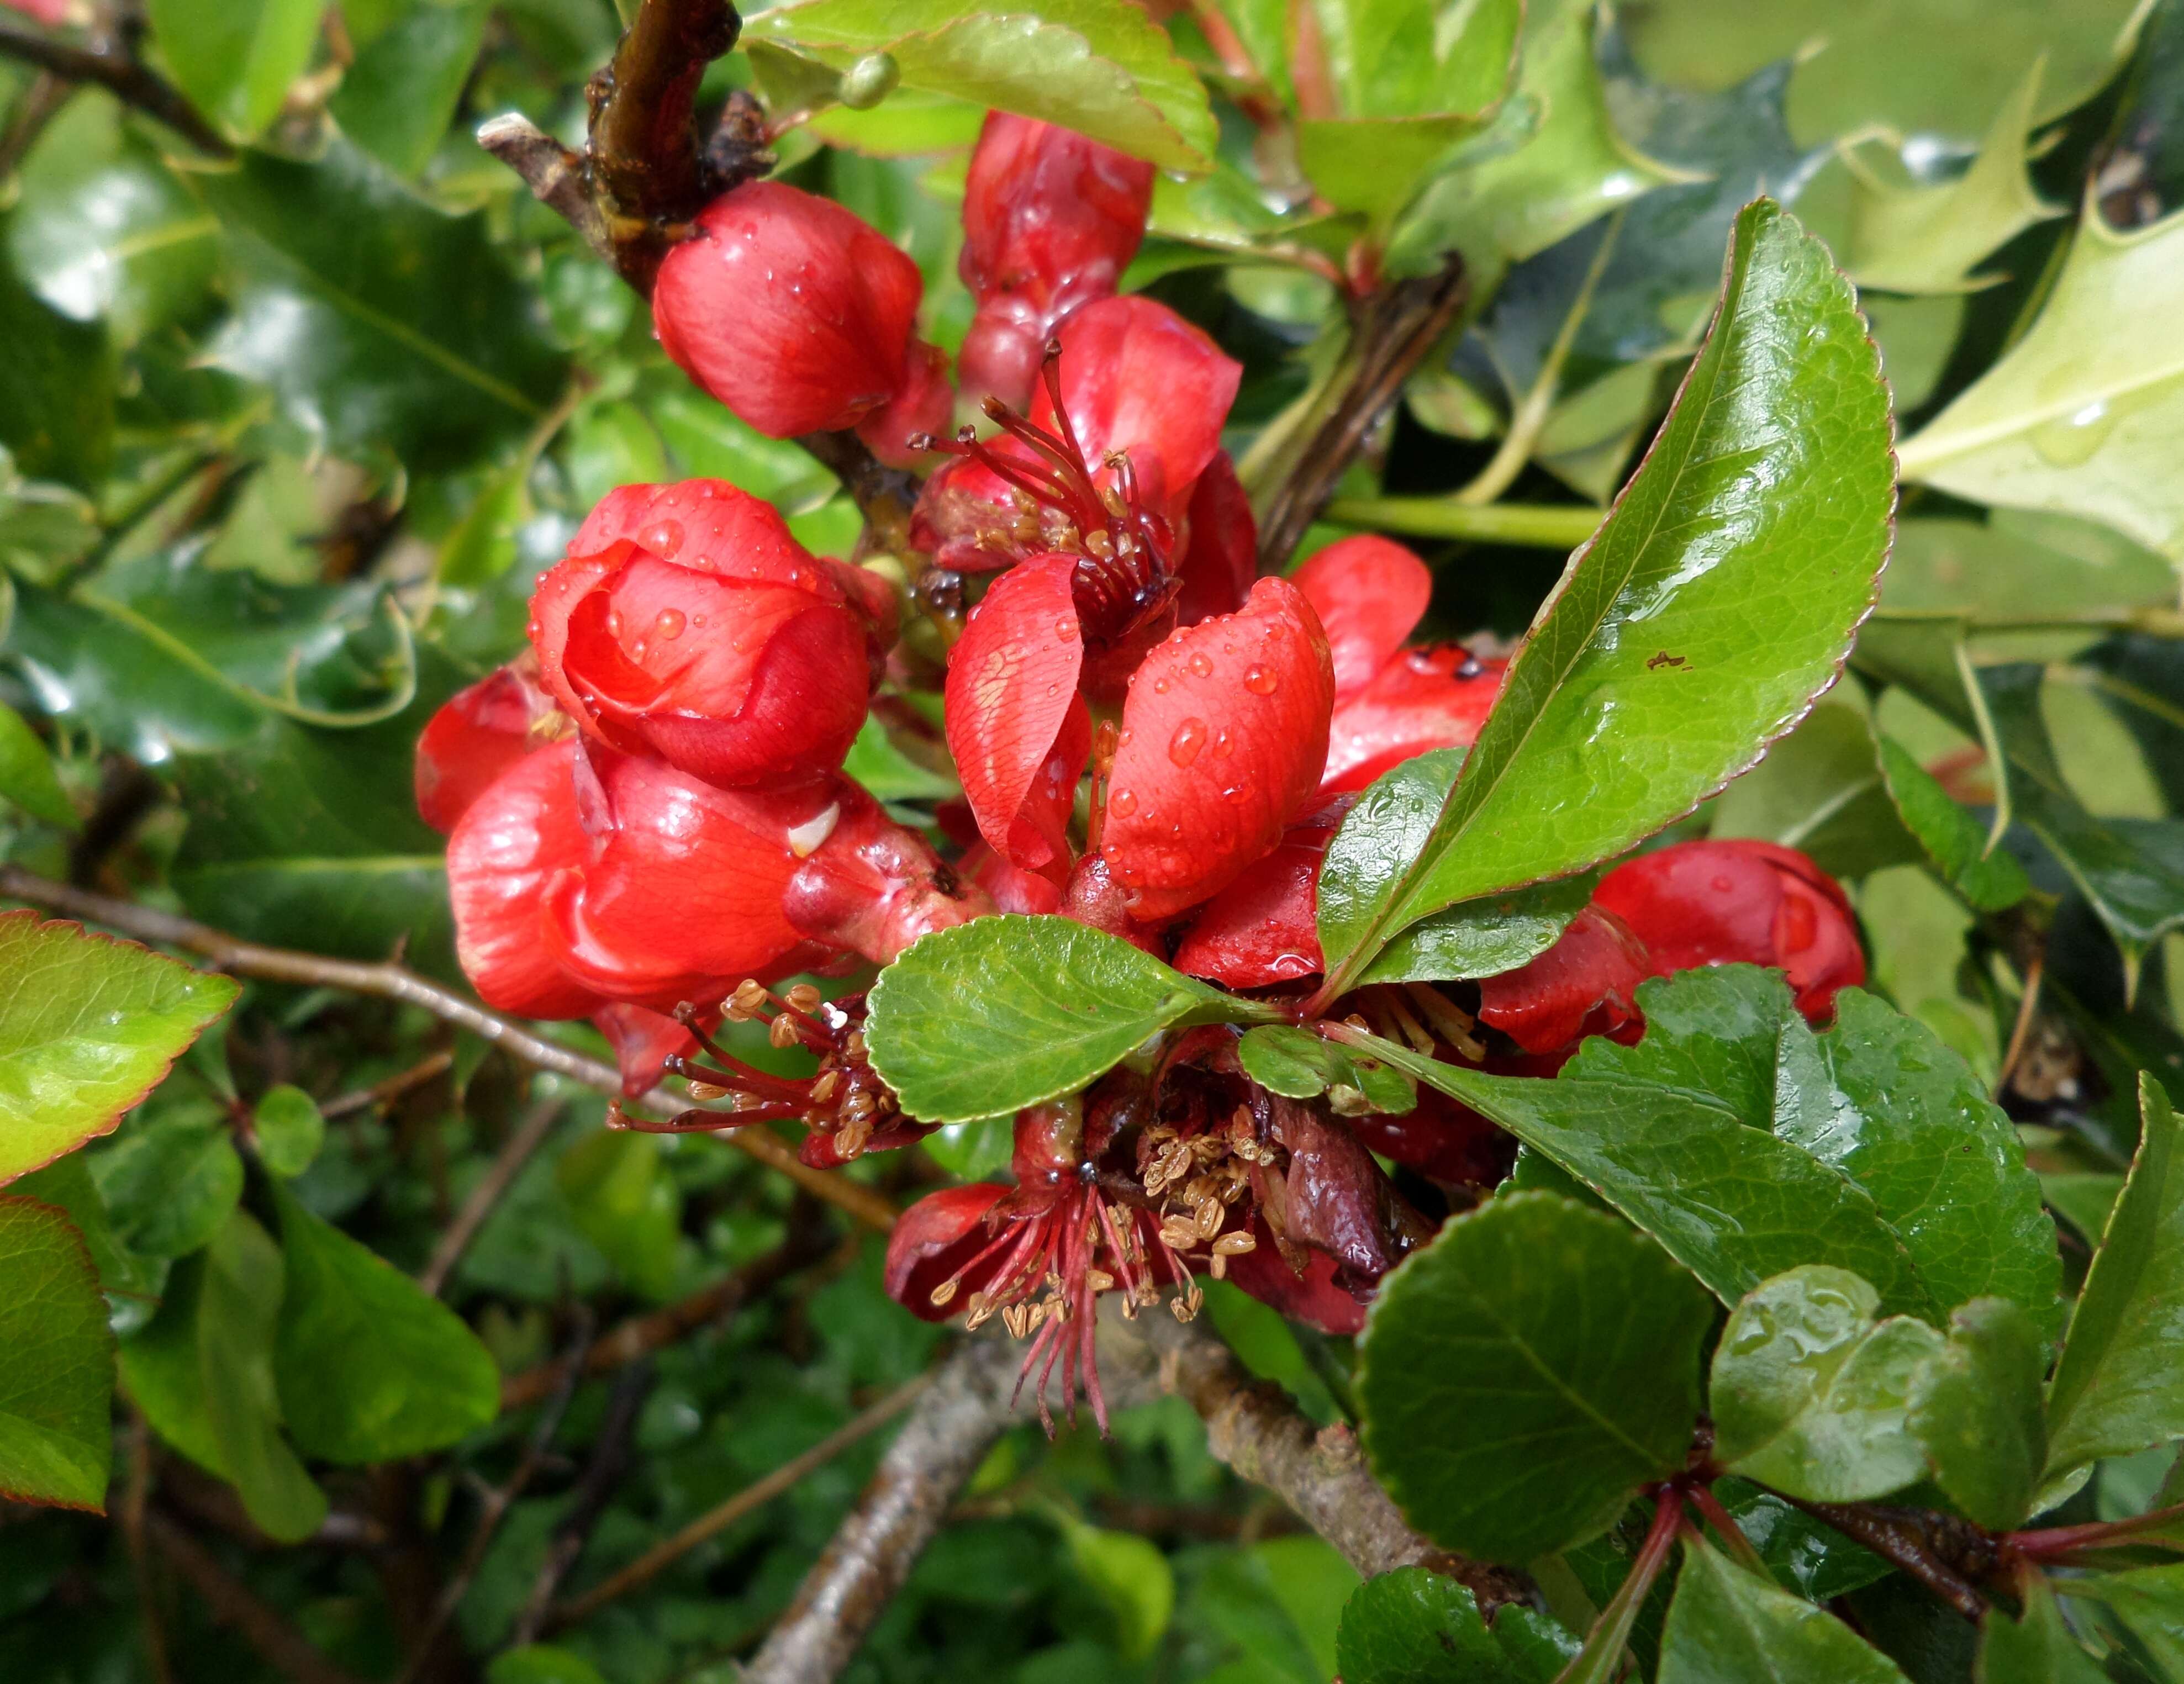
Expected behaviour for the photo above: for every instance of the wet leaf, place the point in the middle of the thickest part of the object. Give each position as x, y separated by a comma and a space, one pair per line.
57, 386
1730, 1627
2038, 1648
1414, 1627
1977, 1410
56, 1426
171, 1178
1300, 1065
235, 59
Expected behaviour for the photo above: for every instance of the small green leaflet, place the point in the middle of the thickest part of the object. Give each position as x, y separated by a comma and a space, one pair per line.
57, 1385
2149, 1602
1977, 1408
1298, 1065
1730, 1626
1416, 1626
1003, 1012
1955, 842
289, 1129
1718, 600
88, 1026
1566, 1345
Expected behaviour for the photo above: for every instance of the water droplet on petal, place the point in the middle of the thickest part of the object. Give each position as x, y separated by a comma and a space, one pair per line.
1160, 687
1202, 664
1066, 629
670, 624
1238, 793
614, 623
664, 539
1260, 681
1122, 804
1225, 744
1190, 737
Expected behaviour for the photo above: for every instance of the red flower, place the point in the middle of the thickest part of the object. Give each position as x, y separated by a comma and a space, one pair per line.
686, 623
1584, 984
924, 406
1733, 902
1391, 703
476, 734
1312, 1297
644, 1040
933, 1241
1264, 927
789, 310
1051, 219
1221, 548
1224, 732
510, 842
869, 886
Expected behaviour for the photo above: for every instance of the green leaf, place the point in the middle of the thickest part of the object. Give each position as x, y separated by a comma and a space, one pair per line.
1132, 1577
163, 1375
235, 59
1101, 67
1730, 1627
2119, 1387
1415, 1626
88, 1026
1810, 1391
1818, 791
976, 1150
2077, 416
396, 100
1567, 1346
122, 1272
1977, 1410
56, 1389
27, 773
2148, 1603
542, 1663
891, 775
1913, 238
1955, 842
2036, 1649
1003, 1012
57, 387
1644, 686
1805, 1556
2083, 1200
1398, 58
381, 323
1299, 1065
239, 1308
625, 1203
170, 1179
371, 1367
289, 1129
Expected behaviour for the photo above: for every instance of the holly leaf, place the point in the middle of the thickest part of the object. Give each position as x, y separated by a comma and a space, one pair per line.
57, 388
1101, 67
1955, 842
397, 99
1567, 1346
369, 1367
1003, 1012
1810, 1390
2118, 1387
1977, 1410
1646, 684
1297, 1065
56, 1389
1727, 1625
1416, 1626
88, 1026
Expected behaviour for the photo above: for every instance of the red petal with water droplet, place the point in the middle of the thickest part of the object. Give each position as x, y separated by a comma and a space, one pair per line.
788, 308
1222, 556
476, 734
1370, 592
707, 524
512, 840
872, 887
1018, 731
1224, 733
1264, 927
1436, 698
1584, 984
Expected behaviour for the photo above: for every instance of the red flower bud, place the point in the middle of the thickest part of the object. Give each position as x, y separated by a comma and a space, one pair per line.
872, 886
509, 843
713, 639
789, 310
1736, 902
1264, 927
1584, 984
1224, 732
925, 404
1051, 219
476, 734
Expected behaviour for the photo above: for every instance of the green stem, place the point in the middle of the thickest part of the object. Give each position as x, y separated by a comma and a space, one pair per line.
1538, 526
1602, 1654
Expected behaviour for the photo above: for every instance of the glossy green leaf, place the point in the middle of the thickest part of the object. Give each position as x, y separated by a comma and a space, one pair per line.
2119, 1387
1978, 1410
891, 775
1819, 792
1728, 1625
1414, 1627
1566, 1344
396, 100
1101, 67
2077, 414
2020, 564
2148, 1603
239, 1308
88, 1025
369, 1366
1003, 1012
2083, 1200
1955, 842
1394, 59
381, 323
1132, 1576
626, 1204
57, 388
1747, 549
56, 1413
235, 59
2037, 1647
1300, 1065
171, 1176
27, 773
1805, 1555
1810, 1391
289, 1129
1540, 1646
162, 1375
1915, 238
130, 1281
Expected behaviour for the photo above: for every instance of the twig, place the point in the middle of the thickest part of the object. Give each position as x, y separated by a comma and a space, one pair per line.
137, 1441
955, 1422
286, 1650
2028, 1012
506, 1165
1397, 329
723, 1515
392, 982
396, 1085
119, 74
1943, 1553
36, 106
595, 1487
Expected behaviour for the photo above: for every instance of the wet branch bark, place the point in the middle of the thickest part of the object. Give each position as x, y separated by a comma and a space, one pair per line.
120, 74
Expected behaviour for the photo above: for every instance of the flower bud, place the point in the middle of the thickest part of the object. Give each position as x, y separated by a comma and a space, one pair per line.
1585, 983
789, 310
476, 734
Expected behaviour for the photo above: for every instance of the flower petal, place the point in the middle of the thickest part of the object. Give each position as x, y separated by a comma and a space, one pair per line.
1423, 698
1369, 592
1584, 984
507, 846
476, 734
931, 1240
1222, 556
1264, 927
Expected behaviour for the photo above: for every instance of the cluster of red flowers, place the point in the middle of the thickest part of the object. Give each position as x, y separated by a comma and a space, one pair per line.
649, 823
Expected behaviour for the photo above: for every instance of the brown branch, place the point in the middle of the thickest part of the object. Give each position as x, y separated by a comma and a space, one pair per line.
506, 1165
595, 1488
644, 147
137, 1496
718, 1519
1945, 1555
286, 1650
396, 1085
36, 106
392, 982
119, 74
1395, 331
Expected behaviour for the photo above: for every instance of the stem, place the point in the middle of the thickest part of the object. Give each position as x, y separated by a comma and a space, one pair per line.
1933, 1548
119, 74
1602, 1653
392, 982
1538, 526
1724, 1523
529, 1136
285, 1649
2054, 1541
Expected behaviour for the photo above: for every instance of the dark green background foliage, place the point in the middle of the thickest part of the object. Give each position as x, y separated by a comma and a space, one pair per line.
285, 438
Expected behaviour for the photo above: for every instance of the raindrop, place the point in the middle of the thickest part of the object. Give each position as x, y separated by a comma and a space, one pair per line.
1202, 664
614, 623
1261, 681
1122, 804
1225, 744
1066, 629
664, 539
1238, 793
2075, 439
1160, 687
1190, 737
670, 624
